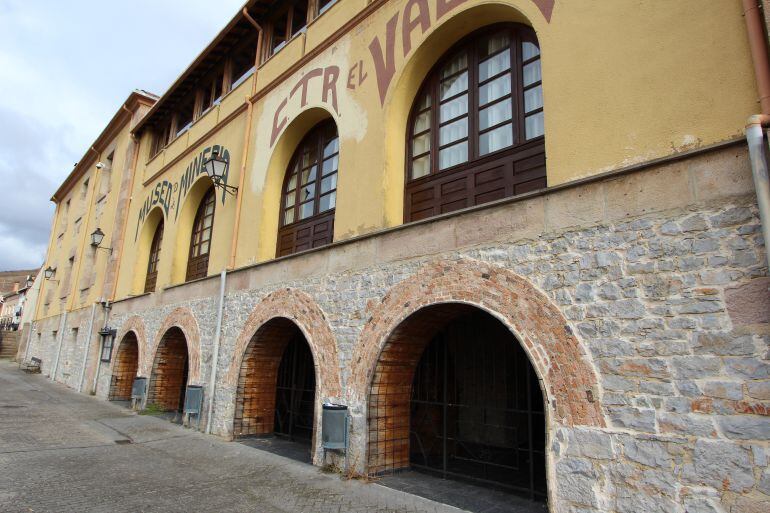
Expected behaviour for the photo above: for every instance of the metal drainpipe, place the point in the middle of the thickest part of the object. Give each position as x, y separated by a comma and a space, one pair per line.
88, 347
755, 136
107, 306
62, 326
215, 359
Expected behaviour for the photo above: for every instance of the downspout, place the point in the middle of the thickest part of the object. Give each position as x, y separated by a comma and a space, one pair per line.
755, 133
60, 333
215, 359
88, 348
246, 141
107, 306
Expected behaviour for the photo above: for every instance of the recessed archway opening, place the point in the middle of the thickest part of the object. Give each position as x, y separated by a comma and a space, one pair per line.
124, 368
455, 395
276, 389
170, 370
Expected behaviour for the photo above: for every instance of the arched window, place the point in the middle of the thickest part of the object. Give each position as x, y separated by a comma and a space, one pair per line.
310, 192
476, 128
200, 242
152, 263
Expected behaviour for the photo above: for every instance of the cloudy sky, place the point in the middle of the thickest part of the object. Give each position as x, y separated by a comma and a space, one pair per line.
65, 69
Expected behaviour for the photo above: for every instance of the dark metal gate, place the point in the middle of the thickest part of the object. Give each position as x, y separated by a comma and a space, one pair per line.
295, 392
477, 409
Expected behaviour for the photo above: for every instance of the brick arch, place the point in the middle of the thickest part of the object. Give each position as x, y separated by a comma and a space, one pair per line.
569, 380
134, 325
183, 319
302, 310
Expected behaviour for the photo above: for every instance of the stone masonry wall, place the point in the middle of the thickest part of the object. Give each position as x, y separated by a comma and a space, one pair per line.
668, 302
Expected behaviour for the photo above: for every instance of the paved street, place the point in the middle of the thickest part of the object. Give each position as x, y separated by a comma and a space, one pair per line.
65, 452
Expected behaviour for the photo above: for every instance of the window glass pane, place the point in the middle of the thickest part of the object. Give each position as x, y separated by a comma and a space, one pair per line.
454, 85
495, 89
288, 216
454, 108
306, 159
494, 65
529, 50
495, 43
453, 155
496, 139
453, 131
458, 63
531, 73
308, 175
330, 165
290, 199
495, 114
204, 248
424, 102
534, 125
207, 221
533, 98
327, 202
332, 147
421, 122
421, 144
329, 183
292, 182
306, 210
307, 192
421, 166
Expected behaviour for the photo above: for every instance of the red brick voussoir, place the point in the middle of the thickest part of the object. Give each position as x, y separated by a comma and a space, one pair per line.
133, 324
183, 319
569, 380
302, 310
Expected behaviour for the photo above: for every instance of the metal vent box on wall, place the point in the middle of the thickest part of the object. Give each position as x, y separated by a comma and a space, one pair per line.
139, 388
193, 399
334, 426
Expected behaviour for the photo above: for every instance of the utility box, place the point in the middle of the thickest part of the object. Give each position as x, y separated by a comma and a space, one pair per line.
138, 389
334, 426
193, 400
138, 392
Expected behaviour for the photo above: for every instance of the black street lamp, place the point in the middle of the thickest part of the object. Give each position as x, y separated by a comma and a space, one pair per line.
49, 273
215, 167
96, 239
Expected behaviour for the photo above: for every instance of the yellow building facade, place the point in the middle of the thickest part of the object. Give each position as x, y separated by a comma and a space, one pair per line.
574, 174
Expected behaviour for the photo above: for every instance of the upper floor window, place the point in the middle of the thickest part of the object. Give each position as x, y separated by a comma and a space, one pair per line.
200, 241
479, 113
288, 22
310, 192
152, 263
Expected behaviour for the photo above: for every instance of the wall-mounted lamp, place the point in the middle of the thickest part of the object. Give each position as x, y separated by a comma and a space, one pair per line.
215, 167
49, 273
108, 341
96, 239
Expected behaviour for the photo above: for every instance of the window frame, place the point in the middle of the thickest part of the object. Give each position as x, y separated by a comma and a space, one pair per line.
316, 140
498, 174
153, 260
432, 80
197, 265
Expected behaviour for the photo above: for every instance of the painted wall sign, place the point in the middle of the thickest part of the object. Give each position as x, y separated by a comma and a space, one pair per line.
328, 82
169, 195
416, 16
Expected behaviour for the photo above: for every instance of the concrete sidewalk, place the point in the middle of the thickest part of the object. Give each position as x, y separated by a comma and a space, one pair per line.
64, 452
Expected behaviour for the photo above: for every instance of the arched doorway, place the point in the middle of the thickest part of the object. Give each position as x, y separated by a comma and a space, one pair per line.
276, 386
454, 394
170, 370
124, 368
